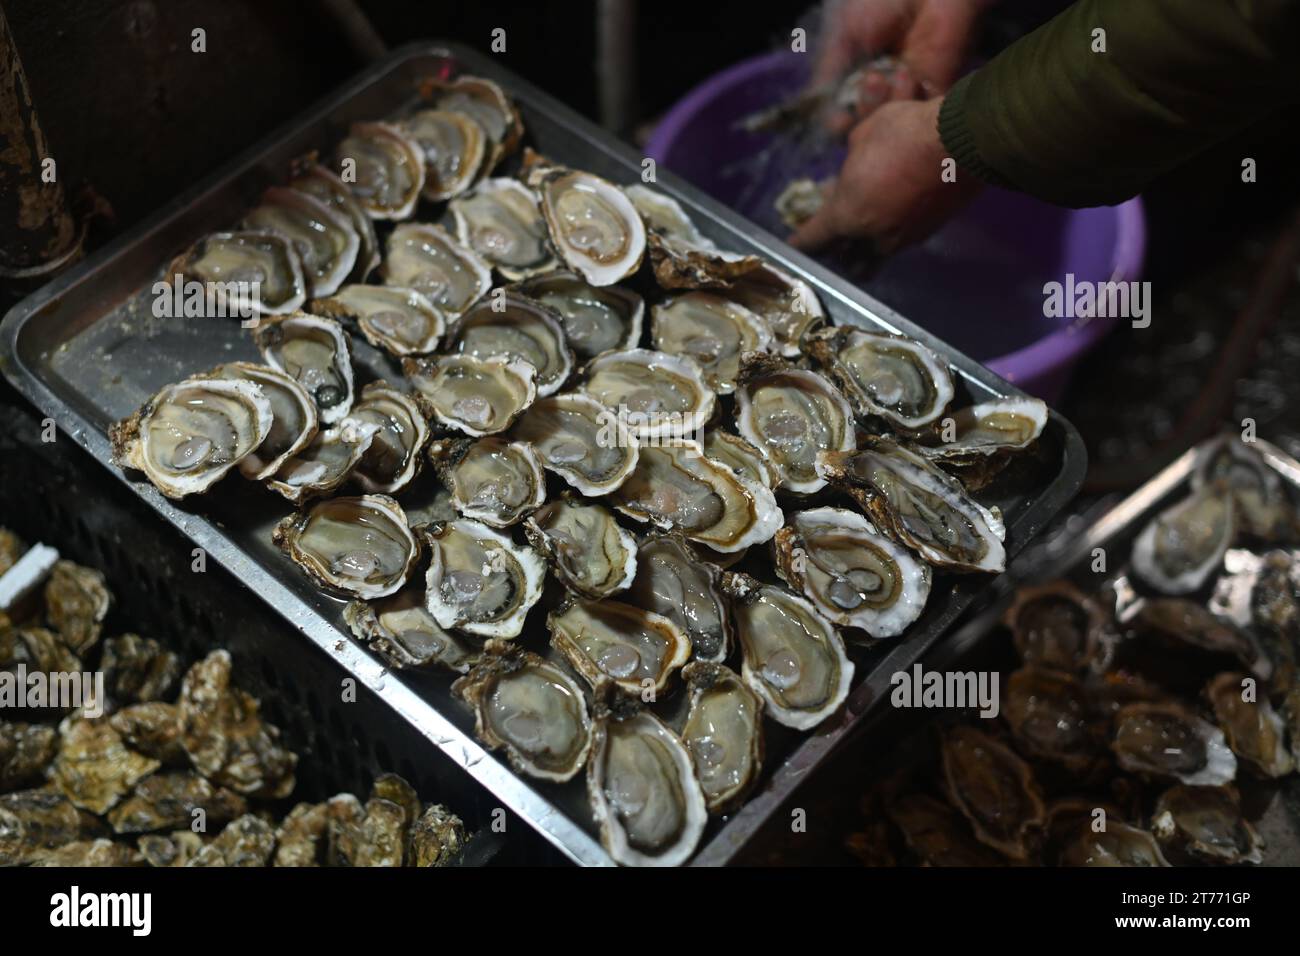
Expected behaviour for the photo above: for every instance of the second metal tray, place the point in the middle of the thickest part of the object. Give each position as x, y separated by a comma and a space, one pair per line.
87, 350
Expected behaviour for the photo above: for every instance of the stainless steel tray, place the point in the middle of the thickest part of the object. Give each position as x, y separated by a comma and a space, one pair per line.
86, 350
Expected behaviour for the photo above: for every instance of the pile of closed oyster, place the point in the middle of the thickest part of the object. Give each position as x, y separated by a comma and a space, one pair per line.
163, 780
1149, 722
626, 433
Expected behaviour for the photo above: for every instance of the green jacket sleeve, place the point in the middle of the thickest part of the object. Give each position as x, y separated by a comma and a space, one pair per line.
1050, 117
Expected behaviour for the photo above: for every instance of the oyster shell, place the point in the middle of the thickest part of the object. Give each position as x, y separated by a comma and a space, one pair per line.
675, 487
643, 791
593, 225
384, 168
33, 822
529, 708
741, 457
190, 434
1188, 623
893, 377
1165, 740
153, 729
94, 767
1118, 845
453, 146
501, 222
1205, 823
437, 838
994, 789
399, 321
323, 238
427, 259
490, 480
658, 395
793, 658
588, 551
1047, 713
168, 801
918, 505
792, 416
595, 319
1262, 508
937, 834
1253, 729
222, 259
786, 304
294, 419
485, 103
476, 395
683, 258
246, 841
326, 463
317, 181
1183, 545
670, 580
1055, 625
360, 547
609, 641
138, 668
853, 575
517, 328
984, 435
26, 750
317, 354
395, 454
480, 581
400, 629
724, 733
581, 441
712, 330
76, 603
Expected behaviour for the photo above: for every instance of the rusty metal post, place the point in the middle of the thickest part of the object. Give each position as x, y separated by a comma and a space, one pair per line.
38, 234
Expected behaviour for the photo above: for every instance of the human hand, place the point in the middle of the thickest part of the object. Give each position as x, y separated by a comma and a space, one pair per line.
890, 191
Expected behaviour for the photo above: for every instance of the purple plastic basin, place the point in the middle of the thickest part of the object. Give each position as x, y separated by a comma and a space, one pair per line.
977, 283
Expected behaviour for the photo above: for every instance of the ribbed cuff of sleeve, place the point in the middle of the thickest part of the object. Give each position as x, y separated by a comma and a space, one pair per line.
959, 140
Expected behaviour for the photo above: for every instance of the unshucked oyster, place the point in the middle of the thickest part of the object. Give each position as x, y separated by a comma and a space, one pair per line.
360, 547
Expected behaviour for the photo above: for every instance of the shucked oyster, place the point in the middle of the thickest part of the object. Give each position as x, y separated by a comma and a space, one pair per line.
741, 457
920, 506
479, 580
325, 463
501, 222
588, 550
531, 708
595, 319
887, 375
517, 328
1184, 544
361, 547
710, 329
399, 321
675, 487
485, 103
682, 256
671, 580
294, 419
1205, 823
1046, 712
793, 658
323, 238
608, 640
1253, 728
994, 789
594, 226
1166, 740
400, 629
855, 576
476, 395
643, 790
190, 434
384, 168
1261, 504
396, 452
317, 354
724, 733
235, 260
490, 480
792, 415
315, 180
427, 259
1055, 625
659, 395
980, 433
581, 441
784, 302
454, 146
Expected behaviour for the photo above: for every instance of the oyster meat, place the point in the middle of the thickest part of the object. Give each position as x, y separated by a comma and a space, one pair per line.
1047, 713
581, 441
384, 168
1183, 545
884, 375
712, 330
190, 434
516, 328
682, 256
317, 181
786, 304
485, 103
793, 658
724, 733
317, 354
1055, 625
294, 419
480, 581
741, 457
658, 395
670, 580
395, 454
476, 395
233, 261
324, 239
1261, 504
400, 629
595, 319
326, 463
454, 147
500, 221
994, 789
853, 575
609, 641
1118, 845
490, 480
984, 434
1161, 739
399, 321
360, 547
531, 709
427, 259
588, 551
792, 416
1205, 824
1253, 728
